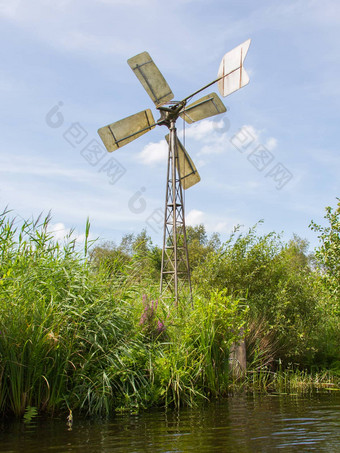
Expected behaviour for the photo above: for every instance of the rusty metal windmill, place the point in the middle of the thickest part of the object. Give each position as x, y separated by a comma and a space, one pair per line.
181, 171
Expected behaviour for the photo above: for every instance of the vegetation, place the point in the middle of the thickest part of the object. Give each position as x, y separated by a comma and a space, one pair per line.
86, 331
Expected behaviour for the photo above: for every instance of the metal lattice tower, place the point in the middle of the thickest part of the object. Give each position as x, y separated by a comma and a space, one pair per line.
175, 270
181, 173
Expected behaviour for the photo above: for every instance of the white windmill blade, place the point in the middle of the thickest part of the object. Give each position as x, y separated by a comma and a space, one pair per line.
231, 74
205, 107
187, 171
121, 132
151, 78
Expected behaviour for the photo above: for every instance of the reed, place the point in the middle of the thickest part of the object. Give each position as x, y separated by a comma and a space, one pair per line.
59, 325
287, 381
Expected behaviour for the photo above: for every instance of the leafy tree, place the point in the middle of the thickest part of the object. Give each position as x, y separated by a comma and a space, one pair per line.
328, 254
146, 257
135, 257
199, 244
109, 258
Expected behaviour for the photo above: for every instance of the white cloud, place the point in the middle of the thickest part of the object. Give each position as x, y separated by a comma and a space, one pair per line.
216, 144
204, 128
214, 135
212, 223
31, 186
248, 138
154, 153
201, 163
271, 143
58, 231
23, 167
211, 133
194, 217
61, 233
216, 140
220, 224
221, 227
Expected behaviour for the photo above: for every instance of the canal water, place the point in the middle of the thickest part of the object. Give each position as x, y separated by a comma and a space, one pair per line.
238, 424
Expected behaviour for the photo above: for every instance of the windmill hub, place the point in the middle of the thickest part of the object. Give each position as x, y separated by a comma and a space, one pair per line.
170, 114
181, 172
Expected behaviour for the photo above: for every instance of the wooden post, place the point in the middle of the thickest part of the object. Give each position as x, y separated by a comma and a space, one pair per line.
238, 357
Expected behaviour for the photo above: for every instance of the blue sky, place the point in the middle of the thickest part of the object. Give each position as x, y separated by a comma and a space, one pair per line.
70, 57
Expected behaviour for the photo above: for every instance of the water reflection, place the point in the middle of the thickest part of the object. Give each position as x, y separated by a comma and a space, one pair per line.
238, 424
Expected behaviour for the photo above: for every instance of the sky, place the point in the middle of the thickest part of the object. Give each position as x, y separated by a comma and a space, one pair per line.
273, 156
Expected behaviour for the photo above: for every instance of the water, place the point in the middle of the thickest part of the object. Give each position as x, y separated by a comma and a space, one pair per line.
239, 424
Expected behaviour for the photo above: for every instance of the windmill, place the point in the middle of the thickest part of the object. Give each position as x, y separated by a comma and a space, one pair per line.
181, 171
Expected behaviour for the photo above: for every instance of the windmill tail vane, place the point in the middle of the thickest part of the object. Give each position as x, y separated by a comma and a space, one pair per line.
181, 170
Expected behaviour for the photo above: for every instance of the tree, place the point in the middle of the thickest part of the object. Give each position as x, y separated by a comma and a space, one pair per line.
135, 257
199, 244
110, 259
328, 254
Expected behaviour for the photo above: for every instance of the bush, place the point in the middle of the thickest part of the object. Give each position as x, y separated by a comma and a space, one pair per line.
277, 282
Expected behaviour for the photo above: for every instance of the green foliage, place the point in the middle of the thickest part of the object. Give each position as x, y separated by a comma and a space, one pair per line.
72, 336
60, 326
135, 259
151, 324
327, 287
240, 265
199, 245
193, 364
328, 253
77, 331
277, 282
290, 380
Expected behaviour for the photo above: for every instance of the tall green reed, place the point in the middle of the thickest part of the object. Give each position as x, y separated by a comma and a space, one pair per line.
61, 329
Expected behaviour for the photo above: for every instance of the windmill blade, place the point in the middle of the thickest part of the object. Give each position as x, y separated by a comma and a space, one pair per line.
187, 171
121, 132
205, 107
231, 74
151, 78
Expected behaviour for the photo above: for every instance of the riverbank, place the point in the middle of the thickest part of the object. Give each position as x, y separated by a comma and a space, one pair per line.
87, 333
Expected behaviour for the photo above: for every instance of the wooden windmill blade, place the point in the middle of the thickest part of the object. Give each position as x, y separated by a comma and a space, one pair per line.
124, 131
151, 78
205, 107
188, 173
